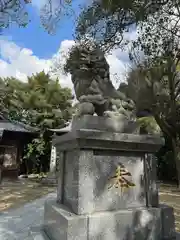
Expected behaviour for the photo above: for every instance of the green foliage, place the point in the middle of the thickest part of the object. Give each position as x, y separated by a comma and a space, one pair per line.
16, 11
107, 21
155, 87
159, 34
41, 103
149, 124
154, 83
35, 150
48, 106
47, 103
38, 144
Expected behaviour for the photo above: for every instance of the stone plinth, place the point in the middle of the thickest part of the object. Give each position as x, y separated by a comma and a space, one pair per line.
131, 224
91, 159
118, 124
90, 205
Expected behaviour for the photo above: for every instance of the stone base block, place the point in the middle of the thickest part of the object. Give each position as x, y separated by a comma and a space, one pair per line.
141, 224
61, 224
135, 224
168, 222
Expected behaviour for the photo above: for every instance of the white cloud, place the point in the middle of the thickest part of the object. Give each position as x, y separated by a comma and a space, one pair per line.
22, 62
117, 69
19, 62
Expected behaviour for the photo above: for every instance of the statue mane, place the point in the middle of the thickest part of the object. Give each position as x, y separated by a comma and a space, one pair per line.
86, 57
90, 75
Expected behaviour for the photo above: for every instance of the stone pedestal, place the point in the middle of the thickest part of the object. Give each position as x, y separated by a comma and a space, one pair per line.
107, 189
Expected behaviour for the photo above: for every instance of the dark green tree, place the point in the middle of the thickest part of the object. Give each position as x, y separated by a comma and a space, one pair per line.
155, 88
46, 105
155, 82
41, 103
108, 21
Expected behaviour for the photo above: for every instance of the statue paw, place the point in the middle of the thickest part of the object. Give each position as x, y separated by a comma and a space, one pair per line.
86, 108
110, 114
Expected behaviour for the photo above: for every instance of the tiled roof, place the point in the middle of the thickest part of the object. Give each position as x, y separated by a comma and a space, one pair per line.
16, 127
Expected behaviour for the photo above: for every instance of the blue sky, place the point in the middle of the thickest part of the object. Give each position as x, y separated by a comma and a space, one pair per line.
34, 36
26, 51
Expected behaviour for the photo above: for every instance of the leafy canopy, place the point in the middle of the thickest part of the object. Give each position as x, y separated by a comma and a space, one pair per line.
108, 21
16, 11
40, 102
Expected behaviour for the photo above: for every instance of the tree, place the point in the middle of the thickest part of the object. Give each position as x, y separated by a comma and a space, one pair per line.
52, 13
159, 41
45, 105
3, 97
15, 11
157, 25
13, 99
135, 89
48, 104
108, 21
156, 88
42, 103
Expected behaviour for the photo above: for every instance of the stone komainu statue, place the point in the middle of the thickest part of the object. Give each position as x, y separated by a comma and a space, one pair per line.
91, 78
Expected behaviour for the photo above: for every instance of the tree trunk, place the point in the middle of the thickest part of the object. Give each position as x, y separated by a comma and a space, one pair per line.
176, 150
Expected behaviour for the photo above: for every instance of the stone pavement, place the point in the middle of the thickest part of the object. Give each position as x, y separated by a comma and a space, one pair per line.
23, 223
14, 194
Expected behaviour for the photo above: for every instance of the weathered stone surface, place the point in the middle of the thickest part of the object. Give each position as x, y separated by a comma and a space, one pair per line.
93, 139
50, 180
87, 208
168, 222
60, 176
137, 224
118, 124
87, 181
92, 85
53, 159
141, 224
91, 169
62, 224
151, 180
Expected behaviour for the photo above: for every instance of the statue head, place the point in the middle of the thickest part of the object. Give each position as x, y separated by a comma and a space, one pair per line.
86, 61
